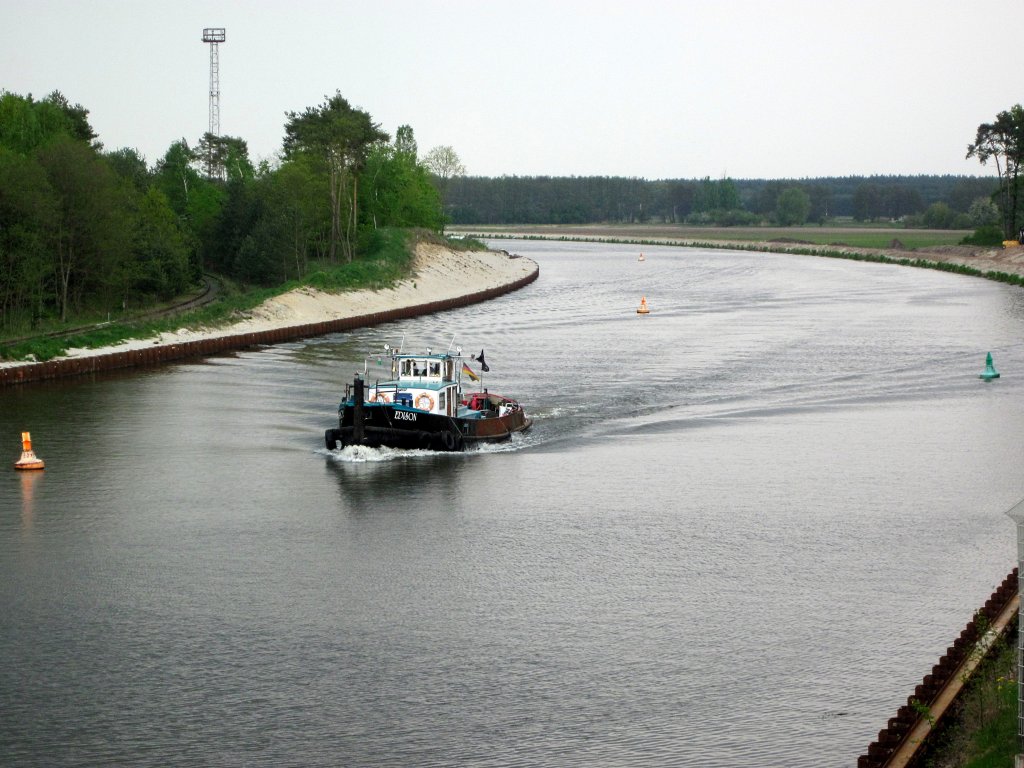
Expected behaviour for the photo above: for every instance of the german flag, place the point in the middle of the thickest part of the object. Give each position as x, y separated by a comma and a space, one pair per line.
467, 371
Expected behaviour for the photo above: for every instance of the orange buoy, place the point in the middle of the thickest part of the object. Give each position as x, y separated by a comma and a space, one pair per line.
643, 308
28, 458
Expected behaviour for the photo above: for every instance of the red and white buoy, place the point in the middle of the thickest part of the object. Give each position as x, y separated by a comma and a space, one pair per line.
28, 459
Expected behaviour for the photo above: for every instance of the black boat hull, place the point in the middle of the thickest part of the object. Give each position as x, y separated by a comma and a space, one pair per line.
391, 426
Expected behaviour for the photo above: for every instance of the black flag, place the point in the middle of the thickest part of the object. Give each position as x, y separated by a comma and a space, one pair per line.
480, 359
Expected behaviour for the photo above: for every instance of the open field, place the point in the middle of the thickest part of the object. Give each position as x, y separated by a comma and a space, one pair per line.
854, 236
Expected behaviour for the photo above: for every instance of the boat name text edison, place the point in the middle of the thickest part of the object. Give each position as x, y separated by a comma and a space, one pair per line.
405, 415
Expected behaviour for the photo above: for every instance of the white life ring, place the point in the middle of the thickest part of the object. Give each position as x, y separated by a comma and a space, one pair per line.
380, 397
429, 402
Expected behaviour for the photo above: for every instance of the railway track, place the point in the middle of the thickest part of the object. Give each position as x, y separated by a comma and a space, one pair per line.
211, 290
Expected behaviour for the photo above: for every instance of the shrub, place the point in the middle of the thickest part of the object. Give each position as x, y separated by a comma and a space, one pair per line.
990, 234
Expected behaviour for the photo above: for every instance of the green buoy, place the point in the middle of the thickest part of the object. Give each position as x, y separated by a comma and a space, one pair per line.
990, 371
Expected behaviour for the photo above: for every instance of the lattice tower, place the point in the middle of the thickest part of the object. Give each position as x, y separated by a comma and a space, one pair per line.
214, 36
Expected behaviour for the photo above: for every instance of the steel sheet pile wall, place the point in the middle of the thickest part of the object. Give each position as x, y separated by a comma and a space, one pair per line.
164, 353
891, 737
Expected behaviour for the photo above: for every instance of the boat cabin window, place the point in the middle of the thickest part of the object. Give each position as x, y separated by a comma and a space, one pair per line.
441, 402
435, 368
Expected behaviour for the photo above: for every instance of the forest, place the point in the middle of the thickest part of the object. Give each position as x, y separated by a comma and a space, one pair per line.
937, 202
86, 231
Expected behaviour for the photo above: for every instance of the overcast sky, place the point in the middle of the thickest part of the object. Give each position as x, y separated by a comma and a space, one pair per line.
685, 89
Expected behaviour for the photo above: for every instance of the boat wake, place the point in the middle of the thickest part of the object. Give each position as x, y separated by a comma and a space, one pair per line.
362, 454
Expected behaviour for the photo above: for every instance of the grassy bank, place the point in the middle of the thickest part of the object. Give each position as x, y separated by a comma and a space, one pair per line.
981, 732
388, 260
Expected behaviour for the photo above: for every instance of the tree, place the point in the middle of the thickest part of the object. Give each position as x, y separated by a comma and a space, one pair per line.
405, 142
721, 195
1002, 142
867, 202
225, 157
196, 200
88, 243
177, 176
131, 167
340, 137
445, 165
983, 212
397, 191
938, 216
28, 213
792, 207
275, 228
26, 124
160, 248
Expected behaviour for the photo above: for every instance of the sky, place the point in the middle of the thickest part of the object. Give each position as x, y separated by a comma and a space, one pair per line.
654, 89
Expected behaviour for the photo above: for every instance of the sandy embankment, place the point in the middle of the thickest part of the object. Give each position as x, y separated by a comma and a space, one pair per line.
439, 273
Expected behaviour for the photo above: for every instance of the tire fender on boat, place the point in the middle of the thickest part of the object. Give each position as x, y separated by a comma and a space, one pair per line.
450, 440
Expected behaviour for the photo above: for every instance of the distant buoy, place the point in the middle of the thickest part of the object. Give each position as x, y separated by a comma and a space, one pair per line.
990, 371
643, 308
28, 459
641, 257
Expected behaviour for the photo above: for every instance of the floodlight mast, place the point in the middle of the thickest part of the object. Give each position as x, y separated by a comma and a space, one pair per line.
214, 36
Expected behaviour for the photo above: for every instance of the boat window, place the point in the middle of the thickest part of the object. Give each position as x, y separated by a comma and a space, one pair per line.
407, 367
441, 402
435, 369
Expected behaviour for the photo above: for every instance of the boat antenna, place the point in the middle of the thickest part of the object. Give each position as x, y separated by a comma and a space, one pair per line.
450, 345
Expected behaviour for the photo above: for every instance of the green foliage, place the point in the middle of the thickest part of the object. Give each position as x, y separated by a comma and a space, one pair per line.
716, 196
590, 200
1002, 141
87, 233
89, 244
26, 125
923, 711
983, 212
160, 249
340, 137
396, 190
792, 207
989, 234
381, 268
981, 730
225, 157
938, 216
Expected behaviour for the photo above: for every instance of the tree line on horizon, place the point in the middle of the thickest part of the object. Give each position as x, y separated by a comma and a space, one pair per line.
84, 230
992, 207
935, 202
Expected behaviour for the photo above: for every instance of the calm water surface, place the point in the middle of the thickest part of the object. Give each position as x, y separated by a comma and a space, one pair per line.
742, 529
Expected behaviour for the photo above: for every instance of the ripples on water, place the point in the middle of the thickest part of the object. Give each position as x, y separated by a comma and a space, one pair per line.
741, 530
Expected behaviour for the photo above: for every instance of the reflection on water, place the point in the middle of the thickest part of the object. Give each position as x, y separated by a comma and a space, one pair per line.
788, 474
28, 483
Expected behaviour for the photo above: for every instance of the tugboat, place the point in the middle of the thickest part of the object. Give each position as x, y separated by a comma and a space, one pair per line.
421, 404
